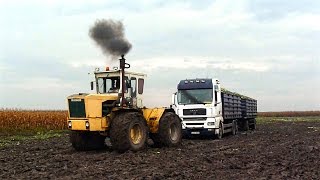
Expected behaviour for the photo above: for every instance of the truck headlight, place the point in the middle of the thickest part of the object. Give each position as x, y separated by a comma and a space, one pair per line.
69, 124
87, 125
210, 123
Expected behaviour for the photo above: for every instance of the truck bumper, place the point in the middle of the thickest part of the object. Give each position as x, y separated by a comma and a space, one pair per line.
201, 132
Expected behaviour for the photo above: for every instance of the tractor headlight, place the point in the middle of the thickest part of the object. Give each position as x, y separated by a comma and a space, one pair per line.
69, 124
210, 123
87, 125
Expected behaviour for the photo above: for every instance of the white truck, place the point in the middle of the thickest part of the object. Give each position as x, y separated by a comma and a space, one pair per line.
207, 109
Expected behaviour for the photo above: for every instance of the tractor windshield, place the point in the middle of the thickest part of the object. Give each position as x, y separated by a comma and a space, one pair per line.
108, 85
195, 96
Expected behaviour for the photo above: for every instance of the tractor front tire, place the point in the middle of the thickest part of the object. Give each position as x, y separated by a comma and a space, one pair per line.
128, 132
85, 141
169, 131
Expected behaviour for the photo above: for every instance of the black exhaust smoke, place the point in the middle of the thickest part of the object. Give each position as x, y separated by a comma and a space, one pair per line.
109, 35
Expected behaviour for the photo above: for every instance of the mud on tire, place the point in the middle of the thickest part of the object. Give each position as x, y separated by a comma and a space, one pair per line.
84, 141
128, 132
170, 131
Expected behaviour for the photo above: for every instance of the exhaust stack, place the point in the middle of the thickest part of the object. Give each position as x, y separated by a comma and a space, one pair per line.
123, 65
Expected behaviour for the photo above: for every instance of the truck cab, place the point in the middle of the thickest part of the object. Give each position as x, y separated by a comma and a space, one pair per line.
198, 103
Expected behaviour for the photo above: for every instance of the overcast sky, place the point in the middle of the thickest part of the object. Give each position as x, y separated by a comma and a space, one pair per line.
265, 49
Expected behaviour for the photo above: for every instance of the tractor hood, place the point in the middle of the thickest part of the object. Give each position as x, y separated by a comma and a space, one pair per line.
86, 96
77, 96
89, 105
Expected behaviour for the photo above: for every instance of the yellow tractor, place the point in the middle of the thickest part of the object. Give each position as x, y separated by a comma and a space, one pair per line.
116, 111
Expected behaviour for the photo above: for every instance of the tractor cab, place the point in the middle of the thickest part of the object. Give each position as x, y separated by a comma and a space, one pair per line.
109, 82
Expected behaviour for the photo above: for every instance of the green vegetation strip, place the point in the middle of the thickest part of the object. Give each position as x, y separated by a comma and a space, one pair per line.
16, 139
262, 120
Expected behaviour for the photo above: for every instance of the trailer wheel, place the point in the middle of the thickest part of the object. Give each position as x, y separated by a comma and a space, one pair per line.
85, 141
128, 131
170, 131
234, 127
245, 125
220, 134
253, 125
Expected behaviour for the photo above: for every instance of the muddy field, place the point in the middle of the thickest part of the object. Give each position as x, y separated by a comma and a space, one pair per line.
279, 150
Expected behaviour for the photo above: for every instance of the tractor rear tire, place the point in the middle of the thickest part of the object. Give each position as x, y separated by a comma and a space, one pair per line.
169, 131
85, 141
128, 131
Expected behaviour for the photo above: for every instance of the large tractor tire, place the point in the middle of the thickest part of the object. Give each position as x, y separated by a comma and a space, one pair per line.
85, 141
128, 132
220, 133
170, 131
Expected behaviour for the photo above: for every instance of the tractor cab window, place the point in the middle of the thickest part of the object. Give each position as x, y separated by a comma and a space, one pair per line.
108, 85
133, 87
140, 85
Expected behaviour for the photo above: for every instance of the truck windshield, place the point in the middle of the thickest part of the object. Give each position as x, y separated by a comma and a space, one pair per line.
195, 96
108, 85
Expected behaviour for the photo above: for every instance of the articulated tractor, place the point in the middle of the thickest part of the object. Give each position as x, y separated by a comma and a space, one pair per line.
116, 111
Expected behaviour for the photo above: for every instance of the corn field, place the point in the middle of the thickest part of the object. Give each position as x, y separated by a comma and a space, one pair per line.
14, 120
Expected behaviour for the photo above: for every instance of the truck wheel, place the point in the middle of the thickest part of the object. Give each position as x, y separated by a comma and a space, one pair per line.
220, 134
234, 127
170, 131
128, 131
84, 141
253, 125
245, 125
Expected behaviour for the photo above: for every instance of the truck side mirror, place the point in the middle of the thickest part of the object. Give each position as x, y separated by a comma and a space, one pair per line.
173, 99
91, 84
216, 88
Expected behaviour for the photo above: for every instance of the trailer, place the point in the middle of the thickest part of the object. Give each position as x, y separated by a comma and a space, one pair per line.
207, 109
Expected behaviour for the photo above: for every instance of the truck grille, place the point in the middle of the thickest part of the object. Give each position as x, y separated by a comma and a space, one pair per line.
195, 119
199, 111
77, 108
195, 124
